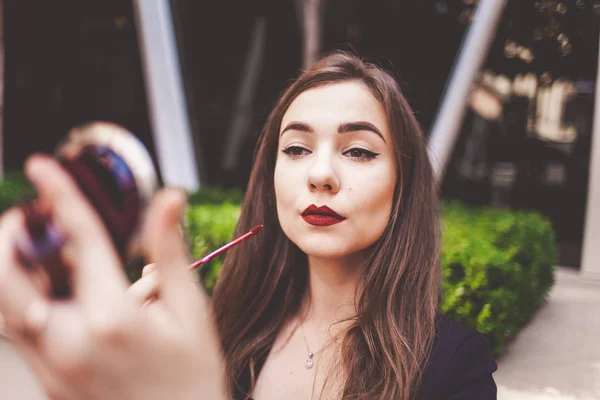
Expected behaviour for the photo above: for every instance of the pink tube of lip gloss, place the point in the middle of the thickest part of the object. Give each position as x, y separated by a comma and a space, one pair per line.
226, 247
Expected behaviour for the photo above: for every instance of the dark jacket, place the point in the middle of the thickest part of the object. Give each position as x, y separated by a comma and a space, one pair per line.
460, 366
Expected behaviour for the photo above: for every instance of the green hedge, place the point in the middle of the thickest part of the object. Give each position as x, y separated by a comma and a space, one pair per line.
209, 227
13, 187
498, 265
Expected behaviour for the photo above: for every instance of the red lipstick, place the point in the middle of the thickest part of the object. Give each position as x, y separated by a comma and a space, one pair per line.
321, 216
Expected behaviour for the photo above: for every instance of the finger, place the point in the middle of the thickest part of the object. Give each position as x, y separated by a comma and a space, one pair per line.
17, 292
99, 281
148, 269
167, 248
144, 289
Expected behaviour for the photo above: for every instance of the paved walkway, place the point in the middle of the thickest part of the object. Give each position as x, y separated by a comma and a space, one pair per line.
556, 357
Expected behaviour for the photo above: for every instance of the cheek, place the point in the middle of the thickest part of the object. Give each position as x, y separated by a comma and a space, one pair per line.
373, 200
286, 190
374, 189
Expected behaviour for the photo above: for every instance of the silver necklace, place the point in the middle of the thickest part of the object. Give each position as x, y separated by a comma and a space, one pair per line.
309, 362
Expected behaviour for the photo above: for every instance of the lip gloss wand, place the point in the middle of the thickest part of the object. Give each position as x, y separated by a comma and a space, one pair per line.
229, 245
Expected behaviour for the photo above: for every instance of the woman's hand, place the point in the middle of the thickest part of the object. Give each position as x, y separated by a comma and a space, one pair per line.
146, 289
107, 342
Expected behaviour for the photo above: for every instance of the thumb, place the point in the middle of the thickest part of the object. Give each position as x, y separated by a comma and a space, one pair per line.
166, 247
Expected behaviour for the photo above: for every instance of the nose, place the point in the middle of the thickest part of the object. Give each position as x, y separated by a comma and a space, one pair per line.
322, 175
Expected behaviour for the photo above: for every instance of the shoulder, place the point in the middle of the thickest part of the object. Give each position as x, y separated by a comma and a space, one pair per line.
454, 339
460, 366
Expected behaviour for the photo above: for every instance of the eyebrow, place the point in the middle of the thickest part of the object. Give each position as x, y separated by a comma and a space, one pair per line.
345, 127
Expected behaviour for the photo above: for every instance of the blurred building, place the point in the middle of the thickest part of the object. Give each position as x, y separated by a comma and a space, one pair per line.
525, 141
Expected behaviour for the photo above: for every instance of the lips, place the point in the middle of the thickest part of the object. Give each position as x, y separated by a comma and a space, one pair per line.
321, 216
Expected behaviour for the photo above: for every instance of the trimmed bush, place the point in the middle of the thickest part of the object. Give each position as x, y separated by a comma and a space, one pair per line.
209, 227
217, 195
498, 265
13, 187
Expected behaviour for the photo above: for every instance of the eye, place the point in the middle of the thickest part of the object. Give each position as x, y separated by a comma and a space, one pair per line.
360, 154
295, 152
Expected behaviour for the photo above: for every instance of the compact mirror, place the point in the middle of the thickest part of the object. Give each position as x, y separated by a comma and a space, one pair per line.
116, 173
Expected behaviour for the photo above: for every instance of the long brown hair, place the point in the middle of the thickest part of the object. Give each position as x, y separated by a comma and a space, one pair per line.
263, 280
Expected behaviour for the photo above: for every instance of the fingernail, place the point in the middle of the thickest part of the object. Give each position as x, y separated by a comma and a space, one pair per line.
149, 268
36, 167
184, 195
182, 201
38, 160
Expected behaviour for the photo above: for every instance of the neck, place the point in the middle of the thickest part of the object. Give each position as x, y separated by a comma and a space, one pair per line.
331, 291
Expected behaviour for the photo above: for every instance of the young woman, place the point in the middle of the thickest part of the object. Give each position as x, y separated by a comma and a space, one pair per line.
336, 298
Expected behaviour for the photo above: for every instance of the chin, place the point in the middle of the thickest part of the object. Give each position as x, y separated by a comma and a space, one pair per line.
326, 247
333, 242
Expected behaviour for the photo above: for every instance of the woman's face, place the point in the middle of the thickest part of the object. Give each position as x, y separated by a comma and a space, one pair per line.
335, 151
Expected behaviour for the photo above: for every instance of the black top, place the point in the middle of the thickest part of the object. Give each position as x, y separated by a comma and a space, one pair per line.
460, 366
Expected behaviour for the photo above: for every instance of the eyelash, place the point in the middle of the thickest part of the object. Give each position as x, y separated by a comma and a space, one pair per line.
365, 155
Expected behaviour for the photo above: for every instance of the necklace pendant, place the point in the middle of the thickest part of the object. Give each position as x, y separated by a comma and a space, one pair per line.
308, 363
